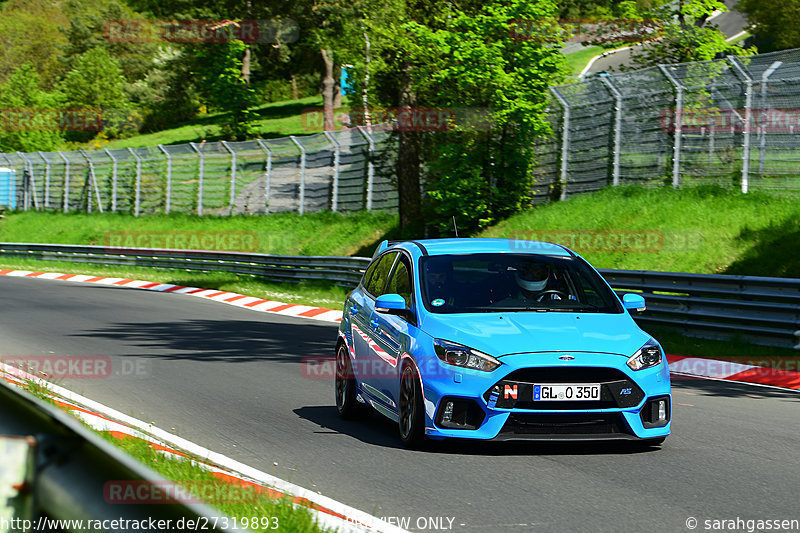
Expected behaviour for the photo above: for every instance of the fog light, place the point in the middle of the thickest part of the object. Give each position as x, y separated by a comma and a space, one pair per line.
662, 410
447, 416
656, 412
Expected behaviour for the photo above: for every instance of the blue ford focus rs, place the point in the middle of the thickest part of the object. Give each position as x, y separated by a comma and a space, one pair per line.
498, 339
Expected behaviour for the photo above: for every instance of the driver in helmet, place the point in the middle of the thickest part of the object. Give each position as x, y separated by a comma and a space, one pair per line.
533, 280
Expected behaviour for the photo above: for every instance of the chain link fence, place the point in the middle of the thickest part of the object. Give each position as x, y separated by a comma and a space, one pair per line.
347, 170
729, 122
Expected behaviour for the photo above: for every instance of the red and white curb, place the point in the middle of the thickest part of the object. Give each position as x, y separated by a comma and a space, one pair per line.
737, 372
328, 513
231, 298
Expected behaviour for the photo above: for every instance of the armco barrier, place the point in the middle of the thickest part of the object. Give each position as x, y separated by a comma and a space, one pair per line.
756, 309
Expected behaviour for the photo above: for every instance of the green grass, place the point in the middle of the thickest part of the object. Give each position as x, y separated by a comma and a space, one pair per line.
323, 233
284, 234
702, 230
577, 61
277, 119
234, 500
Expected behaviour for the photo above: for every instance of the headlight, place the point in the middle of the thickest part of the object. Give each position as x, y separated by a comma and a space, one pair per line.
647, 356
460, 355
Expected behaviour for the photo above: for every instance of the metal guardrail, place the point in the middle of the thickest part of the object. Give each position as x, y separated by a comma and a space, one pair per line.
59, 471
759, 310
345, 271
755, 309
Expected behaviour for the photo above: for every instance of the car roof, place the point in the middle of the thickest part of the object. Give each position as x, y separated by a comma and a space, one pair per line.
479, 245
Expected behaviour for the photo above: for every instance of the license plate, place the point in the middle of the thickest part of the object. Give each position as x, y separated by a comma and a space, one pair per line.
564, 392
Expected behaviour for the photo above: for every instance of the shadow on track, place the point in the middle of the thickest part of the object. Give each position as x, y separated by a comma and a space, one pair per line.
279, 339
377, 430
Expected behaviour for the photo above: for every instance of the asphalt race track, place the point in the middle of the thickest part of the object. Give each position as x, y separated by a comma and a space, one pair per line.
231, 380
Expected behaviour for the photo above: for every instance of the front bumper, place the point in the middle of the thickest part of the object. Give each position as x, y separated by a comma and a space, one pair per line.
499, 405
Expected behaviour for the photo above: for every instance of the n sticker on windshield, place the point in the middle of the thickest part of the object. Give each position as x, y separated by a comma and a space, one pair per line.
438, 302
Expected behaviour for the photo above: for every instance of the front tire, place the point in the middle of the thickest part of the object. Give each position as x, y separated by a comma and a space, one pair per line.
346, 403
412, 412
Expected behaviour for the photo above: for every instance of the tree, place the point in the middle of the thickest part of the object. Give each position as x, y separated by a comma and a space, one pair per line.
30, 33
774, 23
480, 169
220, 66
95, 83
30, 119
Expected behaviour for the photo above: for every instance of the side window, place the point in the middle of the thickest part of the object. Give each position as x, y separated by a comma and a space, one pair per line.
368, 273
401, 280
380, 274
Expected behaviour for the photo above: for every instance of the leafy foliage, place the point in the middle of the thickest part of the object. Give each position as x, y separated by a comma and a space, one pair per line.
30, 119
220, 67
774, 22
465, 62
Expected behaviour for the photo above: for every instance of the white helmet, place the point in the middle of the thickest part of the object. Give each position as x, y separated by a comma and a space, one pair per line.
533, 276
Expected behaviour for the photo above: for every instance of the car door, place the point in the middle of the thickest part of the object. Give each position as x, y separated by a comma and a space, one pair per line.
363, 332
390, 333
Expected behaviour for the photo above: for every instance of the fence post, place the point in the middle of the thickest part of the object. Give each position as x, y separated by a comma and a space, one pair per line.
138, 182
606, 79
370, 165
764, 79
302, 173
268, 170
113, 179
564, 141
66, 180
233, 173
46, 179
168, 202
200, 179
29, 185
336, 159
676, 146
92, 182
748, 111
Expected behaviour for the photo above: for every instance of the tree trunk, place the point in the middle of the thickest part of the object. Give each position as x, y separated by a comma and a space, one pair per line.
408, 160
295, 94
337, 91
247, 52
246, 65
327, 89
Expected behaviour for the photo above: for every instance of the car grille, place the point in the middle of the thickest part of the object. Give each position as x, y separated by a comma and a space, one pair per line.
565, 426
617, 390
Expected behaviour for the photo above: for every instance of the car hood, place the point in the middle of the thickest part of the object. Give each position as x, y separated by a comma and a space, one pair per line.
499, 334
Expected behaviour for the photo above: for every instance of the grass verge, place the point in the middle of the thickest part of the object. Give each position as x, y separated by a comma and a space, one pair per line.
322, 233
704, 229
277, 119
253, 509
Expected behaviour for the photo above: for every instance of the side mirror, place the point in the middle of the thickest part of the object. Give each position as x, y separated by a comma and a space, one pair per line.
392, 304
633, 302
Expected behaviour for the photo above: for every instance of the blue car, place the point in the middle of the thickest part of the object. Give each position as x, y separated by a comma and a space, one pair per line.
498, 339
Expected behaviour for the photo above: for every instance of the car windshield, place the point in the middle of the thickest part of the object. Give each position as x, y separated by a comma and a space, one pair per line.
477, 283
